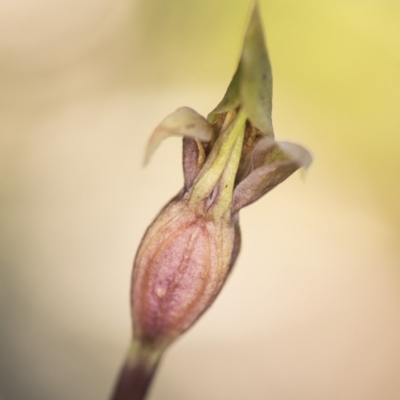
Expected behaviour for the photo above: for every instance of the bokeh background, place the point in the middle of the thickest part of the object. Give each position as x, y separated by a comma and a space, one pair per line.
312, 310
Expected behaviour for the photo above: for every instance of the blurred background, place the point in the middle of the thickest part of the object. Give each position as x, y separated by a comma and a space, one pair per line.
312, 310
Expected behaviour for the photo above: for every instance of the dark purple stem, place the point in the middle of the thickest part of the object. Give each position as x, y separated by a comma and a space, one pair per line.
136, 374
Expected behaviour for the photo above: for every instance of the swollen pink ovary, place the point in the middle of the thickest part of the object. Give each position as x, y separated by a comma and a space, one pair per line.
177, 277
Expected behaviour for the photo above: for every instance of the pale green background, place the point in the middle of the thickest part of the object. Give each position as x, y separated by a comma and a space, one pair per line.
312, 310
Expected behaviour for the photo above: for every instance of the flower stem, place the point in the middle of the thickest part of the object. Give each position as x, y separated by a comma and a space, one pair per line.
137, 372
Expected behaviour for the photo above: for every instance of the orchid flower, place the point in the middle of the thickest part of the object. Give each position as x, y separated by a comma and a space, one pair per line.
230, 160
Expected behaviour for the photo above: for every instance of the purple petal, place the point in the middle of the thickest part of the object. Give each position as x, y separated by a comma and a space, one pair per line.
261, 181
273, 162
193, 160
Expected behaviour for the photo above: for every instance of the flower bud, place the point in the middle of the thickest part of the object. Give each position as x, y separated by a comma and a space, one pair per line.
230, 160
179, 269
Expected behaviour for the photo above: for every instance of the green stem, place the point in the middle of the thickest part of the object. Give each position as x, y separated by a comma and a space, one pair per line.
137, 372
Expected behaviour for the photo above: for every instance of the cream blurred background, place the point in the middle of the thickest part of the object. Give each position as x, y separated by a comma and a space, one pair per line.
312, 310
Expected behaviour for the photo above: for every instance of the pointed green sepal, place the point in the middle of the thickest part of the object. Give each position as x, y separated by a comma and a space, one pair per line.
251, 86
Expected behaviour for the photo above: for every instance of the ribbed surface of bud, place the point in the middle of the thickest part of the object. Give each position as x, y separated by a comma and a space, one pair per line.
180, 267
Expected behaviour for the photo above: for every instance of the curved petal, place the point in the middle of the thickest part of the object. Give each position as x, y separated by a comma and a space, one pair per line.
264, 152
297, 153
260, 182
275, 162
268, 151
182, 122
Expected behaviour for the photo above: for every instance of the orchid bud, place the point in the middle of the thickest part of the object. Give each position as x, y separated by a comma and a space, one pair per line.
186, 254
230, 160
